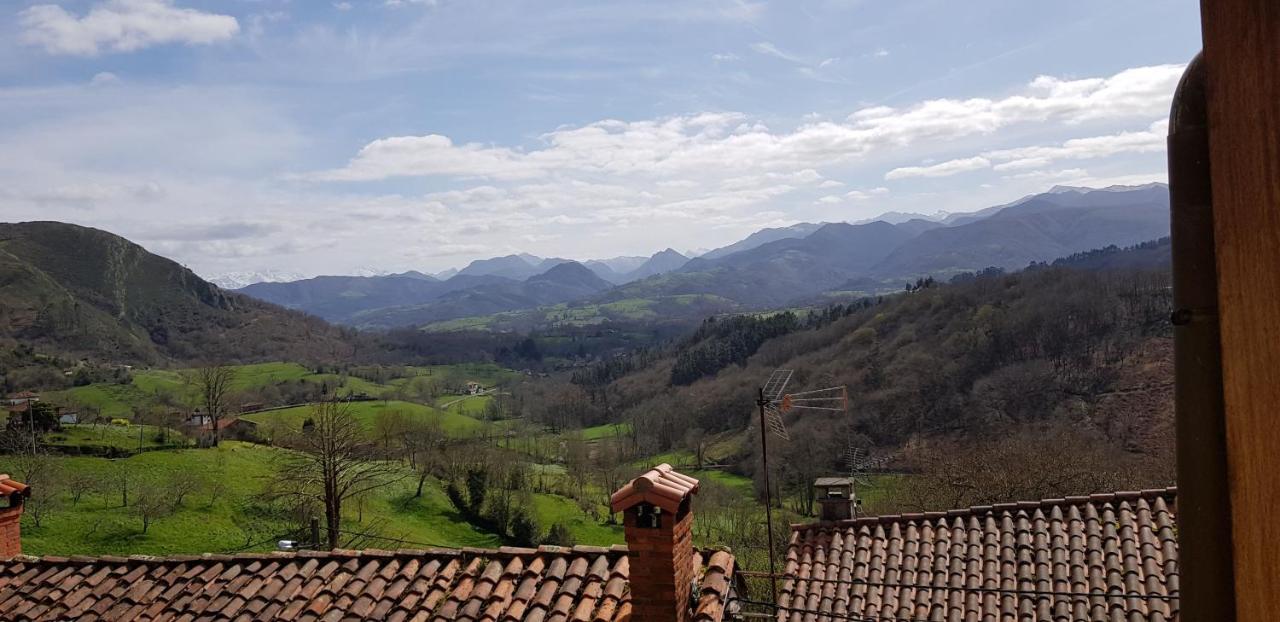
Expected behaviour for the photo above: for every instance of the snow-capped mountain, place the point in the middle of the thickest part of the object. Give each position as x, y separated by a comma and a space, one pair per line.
236, 280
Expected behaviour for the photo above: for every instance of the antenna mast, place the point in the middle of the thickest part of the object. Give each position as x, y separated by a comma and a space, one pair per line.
773, 403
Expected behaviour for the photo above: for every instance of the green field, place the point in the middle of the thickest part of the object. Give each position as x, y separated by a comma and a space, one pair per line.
367, 412
608, 430
127, 437
228, 518
118, 400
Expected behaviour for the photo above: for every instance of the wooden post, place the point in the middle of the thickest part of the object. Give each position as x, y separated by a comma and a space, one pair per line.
1242, 57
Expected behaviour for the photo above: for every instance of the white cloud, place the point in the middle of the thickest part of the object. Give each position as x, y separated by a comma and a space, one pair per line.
769, 49
104, 78
830, 183
342, 6
682, 145
829, 199
943, 169
122, 26
1049, 175
863, 195
880, 53
726, 57
1150, 140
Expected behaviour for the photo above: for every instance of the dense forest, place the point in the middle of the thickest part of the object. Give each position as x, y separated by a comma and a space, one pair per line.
987, 361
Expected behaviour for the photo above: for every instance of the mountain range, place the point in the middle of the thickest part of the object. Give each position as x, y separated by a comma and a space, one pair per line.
769, 268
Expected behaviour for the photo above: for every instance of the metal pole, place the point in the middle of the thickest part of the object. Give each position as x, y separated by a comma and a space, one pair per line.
768, 493
1204, 503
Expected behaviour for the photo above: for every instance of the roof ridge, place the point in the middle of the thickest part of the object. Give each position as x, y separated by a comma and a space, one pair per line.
495, 553
1105, 497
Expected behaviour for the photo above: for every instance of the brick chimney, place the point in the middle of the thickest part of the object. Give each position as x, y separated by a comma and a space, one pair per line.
657, 520
13, 493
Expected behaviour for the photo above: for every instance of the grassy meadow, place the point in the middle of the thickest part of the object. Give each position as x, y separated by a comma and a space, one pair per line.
223, 515
118, 400
453, 423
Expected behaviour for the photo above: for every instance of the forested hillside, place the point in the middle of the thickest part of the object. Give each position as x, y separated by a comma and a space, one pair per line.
987, 356
82, 292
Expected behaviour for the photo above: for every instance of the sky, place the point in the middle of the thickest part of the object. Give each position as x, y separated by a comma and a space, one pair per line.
343, 137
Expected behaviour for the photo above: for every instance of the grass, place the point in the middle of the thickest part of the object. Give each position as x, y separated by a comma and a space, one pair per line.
608, 430
468, 406
366, 413
551, 509
226, 520
119, 437
117, 400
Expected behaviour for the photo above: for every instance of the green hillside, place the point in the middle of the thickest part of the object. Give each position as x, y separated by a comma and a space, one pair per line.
87, 292
118, 400
366, 413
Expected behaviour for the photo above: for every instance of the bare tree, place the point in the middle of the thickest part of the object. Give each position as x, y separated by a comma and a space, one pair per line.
40, 471
332, 462
389, 427
152, 505
119, 478
422, 441
80, 483
185, 482
612, 467
1033, 462
214, 383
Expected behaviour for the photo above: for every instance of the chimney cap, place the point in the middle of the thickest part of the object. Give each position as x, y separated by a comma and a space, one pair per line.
831, 482
661, 486
12, 488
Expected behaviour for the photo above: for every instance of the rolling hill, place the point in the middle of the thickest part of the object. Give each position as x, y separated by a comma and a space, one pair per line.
564, 282
86, 292
340, 298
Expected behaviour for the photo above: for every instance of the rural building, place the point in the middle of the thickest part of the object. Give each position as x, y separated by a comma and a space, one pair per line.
1098, 557
199, 419
21, 398
474, 388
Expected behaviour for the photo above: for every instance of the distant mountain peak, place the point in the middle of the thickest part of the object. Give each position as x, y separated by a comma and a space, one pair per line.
237, 280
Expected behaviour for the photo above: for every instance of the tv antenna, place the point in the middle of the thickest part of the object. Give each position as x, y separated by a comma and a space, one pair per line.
774, 402
859, 464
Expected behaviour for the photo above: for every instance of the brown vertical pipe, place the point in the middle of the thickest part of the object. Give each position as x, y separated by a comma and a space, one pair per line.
1204, 502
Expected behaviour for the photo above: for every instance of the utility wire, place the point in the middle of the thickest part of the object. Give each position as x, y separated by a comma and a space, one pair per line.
398, 540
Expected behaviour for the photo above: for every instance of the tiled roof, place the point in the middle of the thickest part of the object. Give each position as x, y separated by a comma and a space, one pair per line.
1012, 561
10, 487
585, 584
660, 486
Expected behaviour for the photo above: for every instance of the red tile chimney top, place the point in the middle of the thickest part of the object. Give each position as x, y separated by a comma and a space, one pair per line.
10, 517
657, 521
660, 486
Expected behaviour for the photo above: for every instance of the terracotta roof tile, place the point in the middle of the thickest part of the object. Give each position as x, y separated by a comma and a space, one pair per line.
661, 486
10, 487
1104, 556
586, 584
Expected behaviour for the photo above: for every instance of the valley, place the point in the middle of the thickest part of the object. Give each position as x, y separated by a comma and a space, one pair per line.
500, 404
